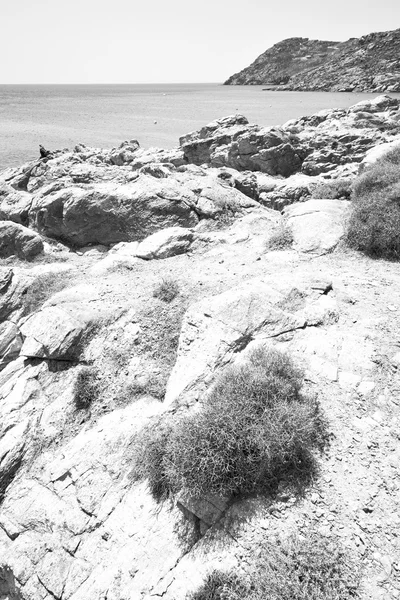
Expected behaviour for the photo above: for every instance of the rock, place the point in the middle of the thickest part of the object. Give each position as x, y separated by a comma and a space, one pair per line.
349, 381
9, 589
15, 239
106, 214
113, 262
230, 142
125, 249
165, 243
217, 328
317, 225
13, 286
377, 152
56, 332
125, 154
10, 342
14, 204
365, 388
208, 510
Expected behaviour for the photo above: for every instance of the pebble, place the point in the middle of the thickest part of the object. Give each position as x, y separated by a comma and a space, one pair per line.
366, 387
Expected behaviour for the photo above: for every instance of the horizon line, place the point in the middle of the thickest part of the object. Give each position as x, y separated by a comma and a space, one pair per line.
125, 83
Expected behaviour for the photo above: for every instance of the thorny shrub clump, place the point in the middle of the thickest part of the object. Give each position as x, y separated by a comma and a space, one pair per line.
299, 568
255, 429
374, 223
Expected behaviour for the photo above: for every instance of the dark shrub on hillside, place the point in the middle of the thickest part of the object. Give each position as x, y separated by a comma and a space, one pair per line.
280, 239
87, 387
254, 429
374, 223
42, 288
167, 290
337, 189
310, 568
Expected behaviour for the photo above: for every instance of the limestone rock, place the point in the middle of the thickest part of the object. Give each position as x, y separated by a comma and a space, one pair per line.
317, 225
15, 239
165, 243
107, 214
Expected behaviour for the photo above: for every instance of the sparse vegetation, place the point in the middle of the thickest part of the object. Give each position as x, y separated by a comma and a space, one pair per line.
299, 568
167, 290
255, 429
374, 223
160, 327
281, 238
42, 288
87, 387
336, 189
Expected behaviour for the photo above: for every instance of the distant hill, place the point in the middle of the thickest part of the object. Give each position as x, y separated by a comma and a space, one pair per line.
367, 64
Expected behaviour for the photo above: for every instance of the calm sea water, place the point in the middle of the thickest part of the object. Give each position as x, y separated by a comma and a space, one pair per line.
105, 115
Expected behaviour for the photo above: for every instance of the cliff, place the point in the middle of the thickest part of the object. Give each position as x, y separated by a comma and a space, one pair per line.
367, 64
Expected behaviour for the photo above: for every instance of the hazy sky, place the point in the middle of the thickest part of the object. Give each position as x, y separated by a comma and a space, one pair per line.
149, 41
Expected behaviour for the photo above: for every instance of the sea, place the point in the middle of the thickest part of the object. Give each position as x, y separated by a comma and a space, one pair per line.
60, 116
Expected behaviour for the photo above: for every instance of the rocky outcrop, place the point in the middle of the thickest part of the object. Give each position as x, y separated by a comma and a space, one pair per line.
230, 142
366, 64
17, 240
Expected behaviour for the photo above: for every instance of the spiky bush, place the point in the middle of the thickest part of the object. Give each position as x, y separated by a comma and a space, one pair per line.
300, 568
166, 290
254, 429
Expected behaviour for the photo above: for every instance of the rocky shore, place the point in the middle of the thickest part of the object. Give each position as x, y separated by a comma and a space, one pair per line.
130, 279
366, 64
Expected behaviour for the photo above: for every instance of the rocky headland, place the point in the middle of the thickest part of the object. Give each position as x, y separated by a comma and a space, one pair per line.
367, 64
130, 279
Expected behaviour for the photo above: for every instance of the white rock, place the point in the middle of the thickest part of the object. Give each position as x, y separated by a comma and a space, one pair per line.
317, 225
349, 381
366, 387
165, 243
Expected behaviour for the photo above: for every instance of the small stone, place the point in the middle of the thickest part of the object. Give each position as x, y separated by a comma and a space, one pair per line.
349, 381
366, 387
396, 359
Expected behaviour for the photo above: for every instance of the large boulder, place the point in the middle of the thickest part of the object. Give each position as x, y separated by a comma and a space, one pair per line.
17, 240
317, 225
107, 214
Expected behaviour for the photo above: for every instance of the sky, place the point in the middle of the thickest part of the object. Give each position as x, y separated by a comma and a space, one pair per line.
166, 41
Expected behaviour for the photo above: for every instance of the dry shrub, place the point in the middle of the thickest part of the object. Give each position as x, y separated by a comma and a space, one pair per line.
299, 568
167, 290
87, 387
255, 429
42, 288
374, 223
337, 189
281, 238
